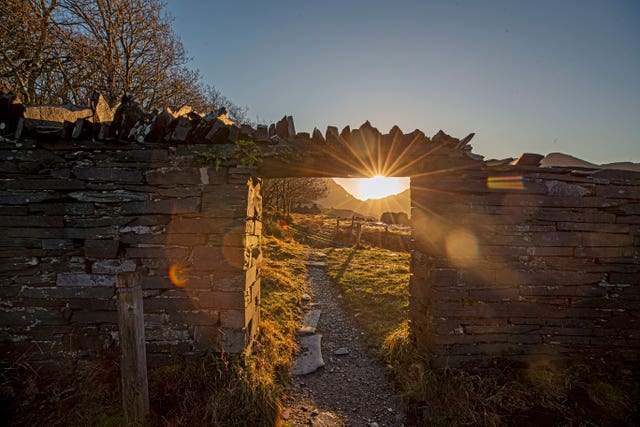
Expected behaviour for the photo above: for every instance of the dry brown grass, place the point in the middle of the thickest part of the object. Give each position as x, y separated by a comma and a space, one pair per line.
32, 396
218, 390
374, 283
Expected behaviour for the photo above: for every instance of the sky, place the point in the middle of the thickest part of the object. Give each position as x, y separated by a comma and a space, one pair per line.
537, 76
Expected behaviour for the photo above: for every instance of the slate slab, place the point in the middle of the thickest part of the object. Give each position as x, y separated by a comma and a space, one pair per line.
316, 263
310, 322
310, 359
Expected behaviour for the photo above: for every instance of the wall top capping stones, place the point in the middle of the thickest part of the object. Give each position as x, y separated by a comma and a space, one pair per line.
284, 151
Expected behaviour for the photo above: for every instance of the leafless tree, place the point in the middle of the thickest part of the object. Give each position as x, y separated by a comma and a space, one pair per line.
131, 49
214, 99
29, 46
282, 194
58, 51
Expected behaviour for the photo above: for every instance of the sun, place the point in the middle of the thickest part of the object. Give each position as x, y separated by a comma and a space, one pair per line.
377, 187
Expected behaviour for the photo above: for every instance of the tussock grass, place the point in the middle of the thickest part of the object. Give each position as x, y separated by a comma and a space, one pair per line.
374, 283
219, 390
222, 390
31, 396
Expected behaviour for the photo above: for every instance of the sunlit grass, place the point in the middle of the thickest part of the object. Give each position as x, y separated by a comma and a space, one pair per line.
248, 392
374, 284
217, 390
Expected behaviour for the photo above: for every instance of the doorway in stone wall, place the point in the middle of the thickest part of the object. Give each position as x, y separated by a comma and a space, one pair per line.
349, 285
368, 260
353, 292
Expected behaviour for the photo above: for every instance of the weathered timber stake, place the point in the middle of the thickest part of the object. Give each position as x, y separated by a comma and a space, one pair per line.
358, 231
133, 358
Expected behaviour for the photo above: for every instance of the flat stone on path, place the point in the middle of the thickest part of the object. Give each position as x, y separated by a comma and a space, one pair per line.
342, 351
310, 360
353, 388
310, 322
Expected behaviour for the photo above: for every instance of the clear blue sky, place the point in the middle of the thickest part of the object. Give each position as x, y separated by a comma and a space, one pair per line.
536, 76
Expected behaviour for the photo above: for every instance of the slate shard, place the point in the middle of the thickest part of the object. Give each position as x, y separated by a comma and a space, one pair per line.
332, 136
345, 135
310, 360
102, 112
126, 116
317, 136
529, 159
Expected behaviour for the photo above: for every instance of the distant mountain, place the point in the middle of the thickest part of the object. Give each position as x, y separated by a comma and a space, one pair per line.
565, 160
339, 199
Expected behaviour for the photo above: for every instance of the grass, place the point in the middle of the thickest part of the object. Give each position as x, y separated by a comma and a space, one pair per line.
374, 285
218, 390
33, 397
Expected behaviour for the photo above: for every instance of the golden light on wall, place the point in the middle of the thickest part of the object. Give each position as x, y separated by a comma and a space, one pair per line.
462, 247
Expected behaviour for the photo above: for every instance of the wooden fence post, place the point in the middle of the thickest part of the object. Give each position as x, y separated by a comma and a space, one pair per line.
358, 231
133, 357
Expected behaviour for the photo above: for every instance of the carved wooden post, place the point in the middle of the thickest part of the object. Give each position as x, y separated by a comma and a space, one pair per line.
133, 358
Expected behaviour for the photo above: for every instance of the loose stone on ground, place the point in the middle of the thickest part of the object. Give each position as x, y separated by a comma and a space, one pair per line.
351, 388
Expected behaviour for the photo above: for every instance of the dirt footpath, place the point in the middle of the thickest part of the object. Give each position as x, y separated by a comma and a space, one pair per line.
351, 389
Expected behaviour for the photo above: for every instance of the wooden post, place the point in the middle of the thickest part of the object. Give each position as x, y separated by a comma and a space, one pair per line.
386, 235
133, 358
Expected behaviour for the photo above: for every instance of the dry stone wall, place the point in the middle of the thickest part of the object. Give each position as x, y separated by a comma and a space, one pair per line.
72, 216
527, 264
509, 260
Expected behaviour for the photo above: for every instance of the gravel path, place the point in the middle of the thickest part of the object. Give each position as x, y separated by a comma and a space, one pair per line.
351, 389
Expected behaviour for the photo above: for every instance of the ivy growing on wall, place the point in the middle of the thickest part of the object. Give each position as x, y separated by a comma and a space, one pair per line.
246, 153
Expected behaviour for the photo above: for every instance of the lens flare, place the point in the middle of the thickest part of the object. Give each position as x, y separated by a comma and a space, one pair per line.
283, 224
376, 187
506, 182
234, 249
461, 247
178, 275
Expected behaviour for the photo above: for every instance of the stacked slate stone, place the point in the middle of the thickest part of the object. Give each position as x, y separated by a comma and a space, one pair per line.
90, 192
53, 122
508, 259
521, 264
280, 144
75, 213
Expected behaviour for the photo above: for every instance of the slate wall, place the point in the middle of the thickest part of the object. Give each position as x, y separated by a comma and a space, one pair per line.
509, 262
74, 214
527, 264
